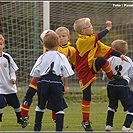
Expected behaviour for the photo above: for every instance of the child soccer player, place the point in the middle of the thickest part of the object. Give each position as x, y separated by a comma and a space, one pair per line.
49, 68
8, 87
91, 56
65, 48
119, 90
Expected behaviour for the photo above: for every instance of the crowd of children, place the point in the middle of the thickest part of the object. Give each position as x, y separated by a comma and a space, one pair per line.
52, 69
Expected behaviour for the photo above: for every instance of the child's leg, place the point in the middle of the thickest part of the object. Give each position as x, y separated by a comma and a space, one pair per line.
86, 103
129, 117
86, 109
112, 93
38, 119
59, 120
110, 117
18, 111
25, 107
128, 120
3, 104
54, 116
1, 113
100, 62
28, 97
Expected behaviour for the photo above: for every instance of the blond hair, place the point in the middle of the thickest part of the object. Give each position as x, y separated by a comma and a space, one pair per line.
62, 29
51, 40
120, 45
79, 24
2, 38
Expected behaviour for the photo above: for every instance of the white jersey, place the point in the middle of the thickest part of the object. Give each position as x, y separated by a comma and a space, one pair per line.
52, 61
122, 67
7, 72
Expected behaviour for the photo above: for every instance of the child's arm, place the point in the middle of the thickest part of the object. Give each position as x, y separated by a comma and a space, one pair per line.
105, 31
13, 78
65, 82
119, 54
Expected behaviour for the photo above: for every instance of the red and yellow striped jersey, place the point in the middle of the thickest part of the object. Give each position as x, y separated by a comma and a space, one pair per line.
87, 49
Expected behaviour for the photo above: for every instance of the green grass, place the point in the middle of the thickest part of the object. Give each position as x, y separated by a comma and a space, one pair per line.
73, 117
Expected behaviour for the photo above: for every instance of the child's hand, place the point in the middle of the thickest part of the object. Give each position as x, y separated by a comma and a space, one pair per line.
66, 88
123, 58
108, 25
13, 81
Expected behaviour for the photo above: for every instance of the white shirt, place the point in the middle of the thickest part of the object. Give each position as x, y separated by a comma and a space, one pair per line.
7, 72
122, 67
61, 65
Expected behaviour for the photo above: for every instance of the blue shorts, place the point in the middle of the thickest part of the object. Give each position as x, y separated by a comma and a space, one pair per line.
10, 100
119, 90
50, 93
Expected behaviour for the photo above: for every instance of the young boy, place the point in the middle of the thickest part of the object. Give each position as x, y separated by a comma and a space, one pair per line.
49, 68
119, 90
65, 48
91, 56
8, 87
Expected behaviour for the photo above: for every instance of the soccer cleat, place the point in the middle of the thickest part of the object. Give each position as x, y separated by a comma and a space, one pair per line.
86, 125
125, 129
108, 128
116, 77
36, 129
19, 121
24, 121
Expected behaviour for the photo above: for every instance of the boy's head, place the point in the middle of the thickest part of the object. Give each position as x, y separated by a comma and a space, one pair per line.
83, 26
120, 45
64, 35
50, 39
2, 42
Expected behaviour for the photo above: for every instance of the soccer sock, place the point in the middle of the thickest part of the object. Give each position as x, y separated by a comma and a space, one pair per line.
18, 116
128, 120
24, 110
53, 115
33, 83
85, 110
25, 107
108, 70
38, 121
110, 117
17, 111
59, 120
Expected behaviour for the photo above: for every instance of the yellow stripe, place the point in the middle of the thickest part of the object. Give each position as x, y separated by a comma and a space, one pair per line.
33, 86
86, 111
85, 108
25, 109
107, 69
90, 82
85, 105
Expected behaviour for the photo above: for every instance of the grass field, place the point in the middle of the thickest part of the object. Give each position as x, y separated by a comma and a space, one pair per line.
72, 121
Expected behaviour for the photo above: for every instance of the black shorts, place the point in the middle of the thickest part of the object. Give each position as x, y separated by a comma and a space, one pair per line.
119, 90
10, 100
50, 93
